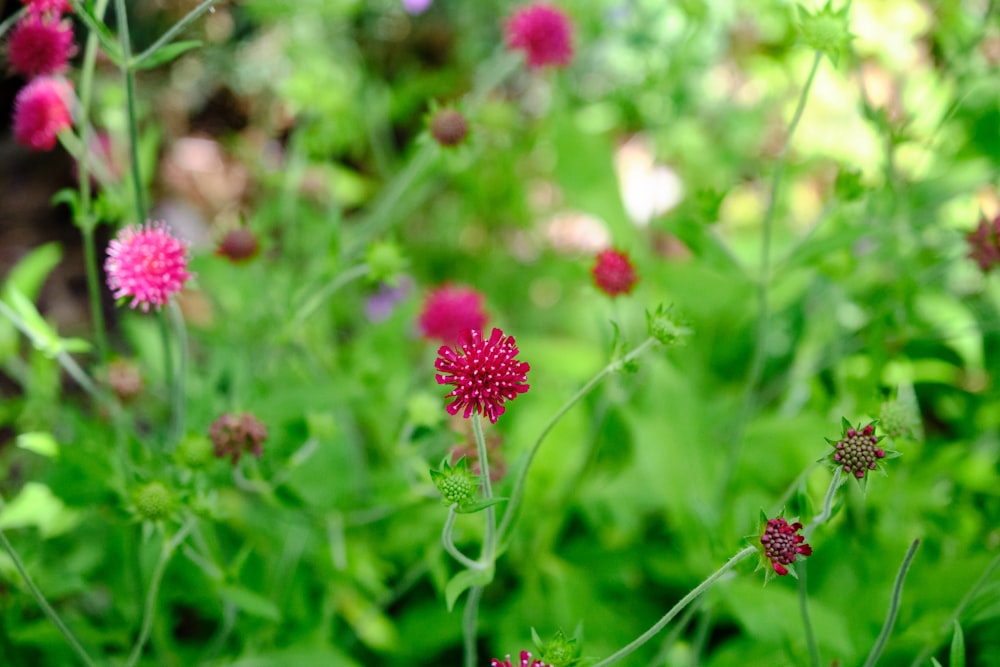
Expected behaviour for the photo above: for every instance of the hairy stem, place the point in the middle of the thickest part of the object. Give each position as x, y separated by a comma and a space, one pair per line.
890, 618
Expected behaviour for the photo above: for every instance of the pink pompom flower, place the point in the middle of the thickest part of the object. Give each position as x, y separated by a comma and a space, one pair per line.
51, 7
41, 111
449, 310
543, 32
148, 264
526, 661
40, 44
485, 373
613, 273
782, 544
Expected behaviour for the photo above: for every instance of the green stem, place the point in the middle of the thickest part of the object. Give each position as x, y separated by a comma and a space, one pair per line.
800, 572
149, 609
489, 539
169, 35
823, 516
764, 286
518, 491
890, 618
676, 609
177, 388
328, 290
133, 121
470, 625
449, 543
966, 599
43, 603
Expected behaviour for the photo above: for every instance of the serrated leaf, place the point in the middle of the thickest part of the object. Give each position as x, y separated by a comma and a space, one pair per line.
165, 54
41, 443
250, 602
479, 505
956, 656
464, 580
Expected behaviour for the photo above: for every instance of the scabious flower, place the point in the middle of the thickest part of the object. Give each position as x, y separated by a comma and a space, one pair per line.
232, 435
526, 661
146, 263
449, 127
41, 111
40, 44
238, 245
858, 450
449, 310
613, 273
56, 7
543, 32
485, 373
984, 244
456, 484
782, 544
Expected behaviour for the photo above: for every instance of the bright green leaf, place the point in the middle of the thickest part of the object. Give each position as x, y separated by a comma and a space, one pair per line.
479, 505
37, 506
250, 602
165, 54
40, 442
956, 657
463, 580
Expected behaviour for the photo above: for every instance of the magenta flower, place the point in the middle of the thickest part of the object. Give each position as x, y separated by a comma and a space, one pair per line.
543, 32
449, 310
485, 373
416, 6
146, 263
613, 273
41, 111
40, 44
782, 544
526, 661
52, 7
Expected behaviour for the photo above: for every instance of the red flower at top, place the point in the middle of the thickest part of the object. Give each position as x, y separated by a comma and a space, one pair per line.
40, 44
526, 661
543, 32
449, 310
148, 264
55, 7
613, 273
782, 544
41, 111
485, 373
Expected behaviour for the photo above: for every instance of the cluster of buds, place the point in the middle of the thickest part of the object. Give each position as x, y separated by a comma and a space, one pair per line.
858, 452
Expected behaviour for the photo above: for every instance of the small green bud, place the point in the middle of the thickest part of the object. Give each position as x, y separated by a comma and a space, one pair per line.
826, 30
560, 651
153, 501
194, 452
900, 420
848, 185
662, 327
455, 483
385, 263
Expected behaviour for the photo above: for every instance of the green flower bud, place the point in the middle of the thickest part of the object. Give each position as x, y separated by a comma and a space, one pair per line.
194, 452
662, 327
455, 483
826, 30
153, 501
560, 651
385, 263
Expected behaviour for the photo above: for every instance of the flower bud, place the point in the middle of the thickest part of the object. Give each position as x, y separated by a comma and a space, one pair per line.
449, 127
153, 501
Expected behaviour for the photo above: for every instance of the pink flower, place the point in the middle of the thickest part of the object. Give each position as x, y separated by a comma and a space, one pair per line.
40, 45
485, 373
543, 33
41, 111
782, 544
146, 263
526, 661
51, 7
613, 273
416, 6
449, 310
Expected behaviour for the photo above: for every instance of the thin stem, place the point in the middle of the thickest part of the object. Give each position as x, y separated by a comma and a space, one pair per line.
169, 35
470, 625
94, 291
764, 285
133, 121
800, 572
489, 539
966, 599
43, 603
890, 618
676, 609
169, 370
328, 290
675, 632
177, 389
823, 516
518, 491
149, 609
449, 544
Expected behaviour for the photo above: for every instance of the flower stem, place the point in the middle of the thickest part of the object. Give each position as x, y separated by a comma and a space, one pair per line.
43, 603
823, 516
133, 121
890, 619
489, 539
764, 286
449, 543
177, 388
470, 626
518, 492
800, 572
676, 609
149, 609
169, 371
328, 290
169, 35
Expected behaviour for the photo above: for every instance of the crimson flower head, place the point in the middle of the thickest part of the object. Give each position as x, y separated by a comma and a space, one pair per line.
543, 32
613, 273
984, 244
148, 264
782, 543
52, 7
40, 44
526, 661
449, 310
42, 111
485, 373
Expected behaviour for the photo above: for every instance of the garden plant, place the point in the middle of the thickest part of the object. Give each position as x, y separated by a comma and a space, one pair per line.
545, 334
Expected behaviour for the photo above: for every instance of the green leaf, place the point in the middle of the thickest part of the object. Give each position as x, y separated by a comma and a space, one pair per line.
39, 442
42, 336
31, 271
165, 54
37, 506
463, 580
250, 602
956, 657
934, 661
479, 505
